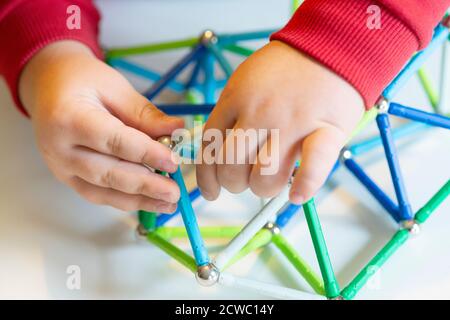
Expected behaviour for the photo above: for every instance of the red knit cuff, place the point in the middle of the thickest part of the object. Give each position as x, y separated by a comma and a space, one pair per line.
28, 26
336, 34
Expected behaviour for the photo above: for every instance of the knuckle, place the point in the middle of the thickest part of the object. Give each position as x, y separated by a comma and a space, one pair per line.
141, 112
144, 156
142, 188
108, 178
114, 143
148, 111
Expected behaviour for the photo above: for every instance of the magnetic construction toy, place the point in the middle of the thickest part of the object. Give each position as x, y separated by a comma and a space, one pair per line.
266, 226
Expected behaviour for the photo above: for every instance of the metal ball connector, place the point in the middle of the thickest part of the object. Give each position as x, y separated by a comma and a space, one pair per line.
167, 141
207, 37
339, 298
141, 234
382, 105
412, 226
346, 154
207, 275
272, 227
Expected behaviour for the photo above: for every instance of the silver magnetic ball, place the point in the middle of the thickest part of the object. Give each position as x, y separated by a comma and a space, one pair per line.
272, 227
346, 154
167, 141
383, 105
412, 226
208, 36
140, 234
141, 231
207, 275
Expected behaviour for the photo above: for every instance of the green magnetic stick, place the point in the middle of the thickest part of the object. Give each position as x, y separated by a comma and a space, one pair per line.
330, 283
148, 219
428, 86
368, 118
299, 264
173, 251
150, 48
193, 98
211, 232
295, 4
374, 265
259, 240
425, 212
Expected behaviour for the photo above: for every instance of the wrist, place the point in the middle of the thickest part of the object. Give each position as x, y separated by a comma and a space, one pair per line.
336, 34
44, 68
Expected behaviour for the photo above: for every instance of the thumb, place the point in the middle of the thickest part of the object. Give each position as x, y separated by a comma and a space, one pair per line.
136, 111
320, 151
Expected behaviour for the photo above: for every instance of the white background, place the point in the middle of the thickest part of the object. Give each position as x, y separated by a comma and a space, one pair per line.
45, 227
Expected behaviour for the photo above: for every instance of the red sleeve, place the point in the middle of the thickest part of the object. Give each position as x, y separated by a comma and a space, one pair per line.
27, 26
336, 34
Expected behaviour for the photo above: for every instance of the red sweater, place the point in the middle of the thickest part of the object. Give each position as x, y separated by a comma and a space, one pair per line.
334, 32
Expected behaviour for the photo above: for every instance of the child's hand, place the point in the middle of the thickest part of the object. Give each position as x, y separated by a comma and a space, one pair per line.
95, 131
281, 88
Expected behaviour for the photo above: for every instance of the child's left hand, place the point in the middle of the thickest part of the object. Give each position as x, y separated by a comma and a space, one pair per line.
280, 88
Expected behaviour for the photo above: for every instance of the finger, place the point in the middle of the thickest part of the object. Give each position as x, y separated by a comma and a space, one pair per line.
239, 151
101, 131
136, 111
212, 141
275, 163
131, 178
119, 200
320, 151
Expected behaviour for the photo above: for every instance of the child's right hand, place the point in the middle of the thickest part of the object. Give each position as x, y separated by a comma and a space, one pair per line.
95, 131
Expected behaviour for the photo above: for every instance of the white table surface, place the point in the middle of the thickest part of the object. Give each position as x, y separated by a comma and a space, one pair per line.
45, 227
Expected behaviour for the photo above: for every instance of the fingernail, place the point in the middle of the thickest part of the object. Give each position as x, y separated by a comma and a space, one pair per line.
206, 195
169, 166
296, 198
176, 158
